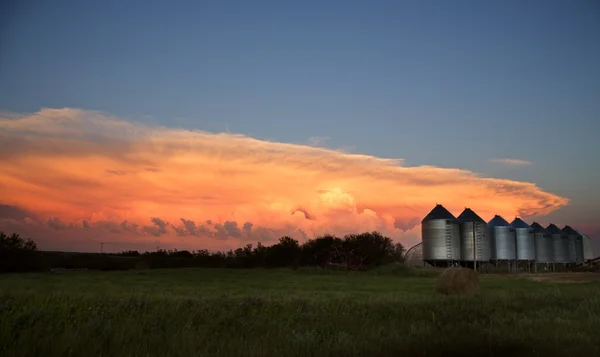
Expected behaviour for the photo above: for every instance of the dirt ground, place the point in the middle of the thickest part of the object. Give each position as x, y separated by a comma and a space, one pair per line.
561, 277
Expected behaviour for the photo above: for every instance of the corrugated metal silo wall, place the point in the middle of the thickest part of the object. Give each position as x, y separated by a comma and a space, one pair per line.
441, 240
572, 249
578, 250
482, 239
503, 243
543, 247
550, 247
560, 249
588, 251
525, 244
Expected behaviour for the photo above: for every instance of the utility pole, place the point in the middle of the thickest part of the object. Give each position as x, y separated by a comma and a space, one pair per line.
101, 248
474, 248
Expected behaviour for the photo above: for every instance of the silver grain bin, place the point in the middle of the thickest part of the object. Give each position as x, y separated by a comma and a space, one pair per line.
571, 237
580, 259
440, 236
470, 222
524, 242
544, 252
588, 251
559, 244
503, 239
575, 243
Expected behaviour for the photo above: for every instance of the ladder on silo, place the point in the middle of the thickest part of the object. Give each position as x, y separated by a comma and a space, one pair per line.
449, 247
478, 247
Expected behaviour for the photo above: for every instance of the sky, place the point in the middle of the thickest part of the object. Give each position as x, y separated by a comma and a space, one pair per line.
214, 124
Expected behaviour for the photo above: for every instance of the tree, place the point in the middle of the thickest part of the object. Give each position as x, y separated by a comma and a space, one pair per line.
284, 253
372, 248
18, 254
397, 253
130, 253
318, 251
260, 255
15, 243
243, 257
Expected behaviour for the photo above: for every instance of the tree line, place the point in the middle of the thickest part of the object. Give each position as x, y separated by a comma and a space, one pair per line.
351, 252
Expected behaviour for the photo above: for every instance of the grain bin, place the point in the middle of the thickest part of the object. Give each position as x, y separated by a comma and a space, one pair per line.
524, 241
469, 223
441, 237
588, 251
559, 244
544, 252
575, 245
571, 249
579, 249
503, 239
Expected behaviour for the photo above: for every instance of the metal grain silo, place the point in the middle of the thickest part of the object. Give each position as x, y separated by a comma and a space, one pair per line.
472, 227
440, 236
575, 245
559, 244
503, 239
571, 249
588, 251
579, 249
544, 252
524, 242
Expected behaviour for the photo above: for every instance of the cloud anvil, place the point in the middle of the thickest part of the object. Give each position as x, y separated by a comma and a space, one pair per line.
71, 175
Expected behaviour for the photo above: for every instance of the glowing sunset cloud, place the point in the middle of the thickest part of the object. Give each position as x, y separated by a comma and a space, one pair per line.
74, 177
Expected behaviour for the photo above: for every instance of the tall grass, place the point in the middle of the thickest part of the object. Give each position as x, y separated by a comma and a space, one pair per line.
203, 312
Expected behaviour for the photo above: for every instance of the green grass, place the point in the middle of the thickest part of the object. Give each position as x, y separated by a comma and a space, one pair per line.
204, 312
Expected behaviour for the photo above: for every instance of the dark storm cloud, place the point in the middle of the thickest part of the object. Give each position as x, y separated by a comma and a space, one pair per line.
248, 227
228, 229
189, 227
56, 224
406, 224
129, 227
14, 212
158, 228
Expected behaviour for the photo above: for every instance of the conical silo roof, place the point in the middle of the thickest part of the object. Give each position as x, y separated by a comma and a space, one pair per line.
469, 216
553, 229
519, 223
568, 230
498, 221
537, 228
438, 212
581, 234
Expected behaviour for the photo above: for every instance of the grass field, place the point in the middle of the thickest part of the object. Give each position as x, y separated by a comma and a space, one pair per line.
226, 312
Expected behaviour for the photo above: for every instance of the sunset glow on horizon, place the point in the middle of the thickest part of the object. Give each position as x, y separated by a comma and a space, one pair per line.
72, 178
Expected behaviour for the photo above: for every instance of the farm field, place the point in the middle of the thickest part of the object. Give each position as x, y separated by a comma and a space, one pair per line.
228, 312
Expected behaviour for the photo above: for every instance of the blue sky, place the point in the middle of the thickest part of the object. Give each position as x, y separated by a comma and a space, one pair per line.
450, 84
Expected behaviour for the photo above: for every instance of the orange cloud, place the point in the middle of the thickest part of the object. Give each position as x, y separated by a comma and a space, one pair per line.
85, 176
